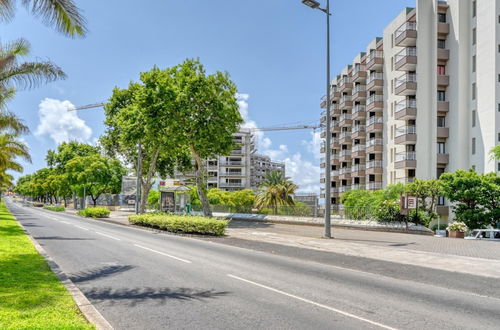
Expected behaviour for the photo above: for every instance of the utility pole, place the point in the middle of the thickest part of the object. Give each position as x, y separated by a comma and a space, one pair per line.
138, 181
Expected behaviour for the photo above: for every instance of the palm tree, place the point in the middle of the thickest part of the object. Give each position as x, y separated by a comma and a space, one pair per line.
276, 190
22, 75
64, 15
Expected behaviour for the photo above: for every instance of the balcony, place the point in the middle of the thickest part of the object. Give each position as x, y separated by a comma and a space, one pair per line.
358, 112
232, 174
374, 185
358, 73
375, 81
404, 180
358, 170
345, 102
322, 103
443, 80
406, 60
405, 110
374, 167
374, 146
406, 160
358, 131
344, 189
442, 159
443, 106
406, 84
406, 35
334, 92
374, 124
232, 184
345, 119
345, 84
443, 29
443, 55
231, 163
345, 155
443, 132
345, 138
375, 60
358, 151
359, 93
406, 135
375, 103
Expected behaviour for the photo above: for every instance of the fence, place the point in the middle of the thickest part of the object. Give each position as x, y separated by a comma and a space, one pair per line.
302, 210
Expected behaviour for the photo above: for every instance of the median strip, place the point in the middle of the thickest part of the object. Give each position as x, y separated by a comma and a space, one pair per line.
338, 311
163, 254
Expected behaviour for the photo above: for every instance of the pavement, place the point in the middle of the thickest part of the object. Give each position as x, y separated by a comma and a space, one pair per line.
142, 279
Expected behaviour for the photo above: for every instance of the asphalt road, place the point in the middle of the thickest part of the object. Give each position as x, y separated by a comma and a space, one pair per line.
139, 279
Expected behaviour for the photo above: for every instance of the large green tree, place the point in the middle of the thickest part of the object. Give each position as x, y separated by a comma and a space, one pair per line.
96, 175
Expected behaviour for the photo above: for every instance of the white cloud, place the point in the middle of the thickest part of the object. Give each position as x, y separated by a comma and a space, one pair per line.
59, 124
303, 173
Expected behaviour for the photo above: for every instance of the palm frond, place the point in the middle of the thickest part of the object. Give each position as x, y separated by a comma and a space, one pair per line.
7, 9
31, 74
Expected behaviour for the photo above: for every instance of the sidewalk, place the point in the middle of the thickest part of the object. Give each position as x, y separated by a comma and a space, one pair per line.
470, 257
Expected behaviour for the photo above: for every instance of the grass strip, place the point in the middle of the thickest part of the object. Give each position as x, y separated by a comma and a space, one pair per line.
31, 296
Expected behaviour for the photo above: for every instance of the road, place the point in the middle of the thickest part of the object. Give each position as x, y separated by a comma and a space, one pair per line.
140, 279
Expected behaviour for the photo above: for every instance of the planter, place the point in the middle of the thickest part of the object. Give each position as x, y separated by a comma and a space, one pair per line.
456, 234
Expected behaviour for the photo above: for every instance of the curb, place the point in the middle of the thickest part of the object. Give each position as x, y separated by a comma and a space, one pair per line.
88, 310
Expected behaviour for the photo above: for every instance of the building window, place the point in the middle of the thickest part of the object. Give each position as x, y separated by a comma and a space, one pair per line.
441, 69
473, 91
441, 18
474, 36
440, 200
474, 8
441, 43
474, 63
473, 146
473, 118
441, 122
498, 137
441, 96
498, 169
499, 78
441, 149
473, 167
439, 171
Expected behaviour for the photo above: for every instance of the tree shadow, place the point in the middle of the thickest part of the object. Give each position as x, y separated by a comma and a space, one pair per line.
63, 238
96, 273
390, 243
248, 224
159, 295
30, 225
403, 244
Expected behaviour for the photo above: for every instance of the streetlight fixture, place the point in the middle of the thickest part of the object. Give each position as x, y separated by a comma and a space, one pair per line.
328, 200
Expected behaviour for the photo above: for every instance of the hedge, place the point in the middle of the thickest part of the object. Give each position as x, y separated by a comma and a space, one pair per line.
94, 212
54, 208
181, 223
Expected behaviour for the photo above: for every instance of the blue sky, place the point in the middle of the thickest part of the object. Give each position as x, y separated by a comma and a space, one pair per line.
273, 49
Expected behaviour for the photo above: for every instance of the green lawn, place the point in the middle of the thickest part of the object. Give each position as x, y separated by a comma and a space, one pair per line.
31, 296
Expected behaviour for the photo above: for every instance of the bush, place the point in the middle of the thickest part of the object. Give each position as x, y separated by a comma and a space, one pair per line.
458, 226
94, 212
153, 199
181, 223
388, 211
442, 226
38, 204
54, 208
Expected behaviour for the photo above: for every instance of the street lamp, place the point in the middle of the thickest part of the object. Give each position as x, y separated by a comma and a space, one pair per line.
328, 201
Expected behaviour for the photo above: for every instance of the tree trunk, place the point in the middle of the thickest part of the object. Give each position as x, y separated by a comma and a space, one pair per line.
201, 184
146, 184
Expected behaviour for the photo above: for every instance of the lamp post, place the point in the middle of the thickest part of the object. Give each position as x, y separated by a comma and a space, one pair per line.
328, 201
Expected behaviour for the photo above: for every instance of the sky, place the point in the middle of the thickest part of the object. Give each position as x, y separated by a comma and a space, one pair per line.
274, 51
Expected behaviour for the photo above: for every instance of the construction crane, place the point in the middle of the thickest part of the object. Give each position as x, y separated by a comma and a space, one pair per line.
256, 129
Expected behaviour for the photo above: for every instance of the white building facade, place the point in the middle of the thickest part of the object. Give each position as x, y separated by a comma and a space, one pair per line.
422, 100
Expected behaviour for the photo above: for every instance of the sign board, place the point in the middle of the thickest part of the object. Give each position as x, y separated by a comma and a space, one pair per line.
162, 183
411, 202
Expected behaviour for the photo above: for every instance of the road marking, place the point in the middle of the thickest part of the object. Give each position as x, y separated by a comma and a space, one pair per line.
115, 238
65, 222
164, 254
313, 303
81, 227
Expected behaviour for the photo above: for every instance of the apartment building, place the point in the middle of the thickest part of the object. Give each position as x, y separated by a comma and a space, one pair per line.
242, 169
421, 100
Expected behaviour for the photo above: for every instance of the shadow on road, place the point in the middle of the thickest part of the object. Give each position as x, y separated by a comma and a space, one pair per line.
98, 273
137, 295
63, 238
248, 224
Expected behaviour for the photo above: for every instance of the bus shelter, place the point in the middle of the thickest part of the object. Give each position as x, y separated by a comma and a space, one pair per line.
175, 199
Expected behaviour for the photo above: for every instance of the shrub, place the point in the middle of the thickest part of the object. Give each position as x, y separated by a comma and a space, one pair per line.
54, 208
38, 204
153, 199
388, 211
94, 212
457, 226
442, 226
181, 223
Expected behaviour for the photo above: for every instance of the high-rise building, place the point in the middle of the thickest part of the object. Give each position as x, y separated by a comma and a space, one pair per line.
421, 100
242, 169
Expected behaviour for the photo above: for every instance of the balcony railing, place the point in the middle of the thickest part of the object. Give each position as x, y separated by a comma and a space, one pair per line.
345, 152
406, 78
357, 168
404, 180
407, 51
373, 76
231, 174
231, 184
375, 164
358, 128
400, 131
402, 156
358, 68
358, 147
374, 120
344, 80
405, 104
344, 170
345, 98
374, 54
344, 189
344, 135
374, 185
358, 108
405, 27
358, 88
345, 116
374, 142
231, 163
334, 173
374, 98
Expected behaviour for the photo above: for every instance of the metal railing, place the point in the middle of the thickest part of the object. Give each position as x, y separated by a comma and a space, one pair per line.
374, 76
358, 68
358, 108
344, 170
345, 152
374, 164
345, 98
407, 51
374, 142
358, 147
406, 78
405, 27
374, 120
358, 88
374, 54
344, 135
400, 106
409, 155
358, 128
374, 185
345, 116
400, 131
374, 98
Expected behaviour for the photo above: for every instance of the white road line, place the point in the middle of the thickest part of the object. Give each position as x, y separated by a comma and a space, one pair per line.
163, 254
102, 234
313, 303
65, 222
81, 227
